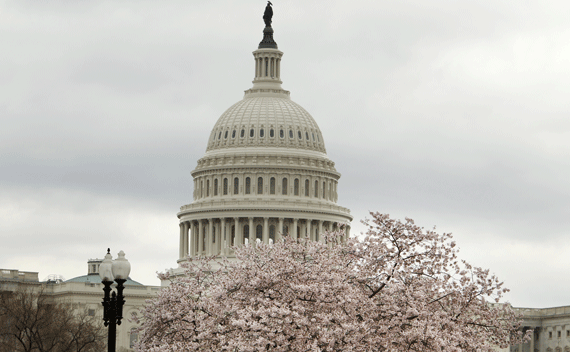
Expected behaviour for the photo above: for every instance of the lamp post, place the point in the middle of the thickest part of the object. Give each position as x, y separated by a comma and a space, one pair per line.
113, 270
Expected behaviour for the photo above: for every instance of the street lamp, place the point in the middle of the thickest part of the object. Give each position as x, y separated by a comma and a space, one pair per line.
117, 270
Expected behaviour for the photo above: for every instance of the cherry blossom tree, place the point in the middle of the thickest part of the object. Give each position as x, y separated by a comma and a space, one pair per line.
400, 288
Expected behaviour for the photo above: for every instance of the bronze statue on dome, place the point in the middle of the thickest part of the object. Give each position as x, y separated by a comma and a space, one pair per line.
268, 14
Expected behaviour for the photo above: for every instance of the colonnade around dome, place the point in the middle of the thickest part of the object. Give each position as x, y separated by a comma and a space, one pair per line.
217, 235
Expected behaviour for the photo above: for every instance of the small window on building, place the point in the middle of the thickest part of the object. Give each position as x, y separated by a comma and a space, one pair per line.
559, 333
261, 133
284, 187
247, 185
234, 134
306, 187
259, 233
236, 185
272, 185
260, 185
207, 188
242, 133
225, 186
226, 135
296, 186
299, 135
290, 133
281, 134
316, 189
251, 132
550, 334
220, 135
271, 133
215, 186
307, 135
324, 189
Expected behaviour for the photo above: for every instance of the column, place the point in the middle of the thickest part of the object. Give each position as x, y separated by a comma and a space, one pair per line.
200, 238
209, 239
294, 232
251, 234
321, 231
223, 242
181, 248
266, 230
280, 230
193, 237
237, 240
309, 232
186, 227
532, 342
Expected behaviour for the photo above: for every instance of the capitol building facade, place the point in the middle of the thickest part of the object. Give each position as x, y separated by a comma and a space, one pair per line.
265, 173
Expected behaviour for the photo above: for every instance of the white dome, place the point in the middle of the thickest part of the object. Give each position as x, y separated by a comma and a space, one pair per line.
271, 121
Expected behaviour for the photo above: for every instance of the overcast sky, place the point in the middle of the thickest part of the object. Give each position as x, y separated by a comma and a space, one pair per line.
453, 113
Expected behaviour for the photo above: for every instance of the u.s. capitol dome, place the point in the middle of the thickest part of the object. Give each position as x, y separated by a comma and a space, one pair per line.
265, 173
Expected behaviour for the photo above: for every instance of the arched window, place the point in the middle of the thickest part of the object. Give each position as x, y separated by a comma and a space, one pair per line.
202, 189
236, 185
330, 194
207, 188
296, 186
272, 133
252, 132
324, 189
242, 133
259, 233
246, 233
299, 135
260, 185
220, 135
281, 134
316, 189
272, 185
261, 133
215, 186
306, 187
290, 133
234, 134
225, 186
226, 135
307, 135
272, 234
284, 186
247, 185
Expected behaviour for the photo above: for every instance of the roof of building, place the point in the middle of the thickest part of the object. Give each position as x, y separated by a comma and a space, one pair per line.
96, 279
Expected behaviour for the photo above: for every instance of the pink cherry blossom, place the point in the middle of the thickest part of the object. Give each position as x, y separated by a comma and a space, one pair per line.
400, 288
